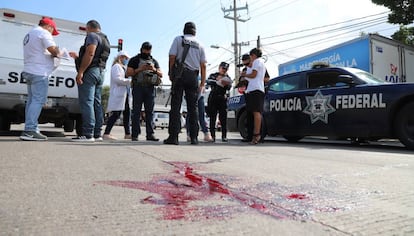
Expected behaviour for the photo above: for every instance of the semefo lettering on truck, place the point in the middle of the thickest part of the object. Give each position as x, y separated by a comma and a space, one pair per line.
58, 81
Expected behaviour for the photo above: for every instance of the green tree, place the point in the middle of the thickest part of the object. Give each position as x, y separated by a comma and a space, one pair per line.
405, 35
105, 97
402, 11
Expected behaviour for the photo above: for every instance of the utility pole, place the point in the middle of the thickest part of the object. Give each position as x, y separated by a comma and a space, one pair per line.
233, 9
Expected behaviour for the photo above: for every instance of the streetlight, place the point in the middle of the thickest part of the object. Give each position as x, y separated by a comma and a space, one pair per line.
217, 47
236, 70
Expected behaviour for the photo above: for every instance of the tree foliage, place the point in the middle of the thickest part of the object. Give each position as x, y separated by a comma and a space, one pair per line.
402, 11
105, 97
404, 35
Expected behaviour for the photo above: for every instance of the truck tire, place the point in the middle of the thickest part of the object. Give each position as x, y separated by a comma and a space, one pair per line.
242, 125
68, 125
404, 125
78, 125
5, 123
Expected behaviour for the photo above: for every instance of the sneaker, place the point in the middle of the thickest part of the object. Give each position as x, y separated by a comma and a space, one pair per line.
127, 136
83, 139
109, 137
207, 137
32, 136
98, 139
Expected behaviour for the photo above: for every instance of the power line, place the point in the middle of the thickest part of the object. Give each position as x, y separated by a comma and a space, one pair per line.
324, 26
374, 21
319, 41
276, 8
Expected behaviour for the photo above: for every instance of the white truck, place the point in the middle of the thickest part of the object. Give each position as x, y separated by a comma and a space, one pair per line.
62, 107
387, 59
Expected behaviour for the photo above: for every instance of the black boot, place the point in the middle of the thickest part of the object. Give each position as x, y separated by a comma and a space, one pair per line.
194, 141
171, 140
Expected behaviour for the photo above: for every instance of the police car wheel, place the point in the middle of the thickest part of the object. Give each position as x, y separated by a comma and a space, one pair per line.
78, 125
242, 125
292, 138
404, 125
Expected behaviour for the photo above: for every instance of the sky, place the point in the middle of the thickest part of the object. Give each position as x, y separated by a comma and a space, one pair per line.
288, 29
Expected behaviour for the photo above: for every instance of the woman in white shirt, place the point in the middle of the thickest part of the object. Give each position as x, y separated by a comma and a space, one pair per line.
255, 91
118, 94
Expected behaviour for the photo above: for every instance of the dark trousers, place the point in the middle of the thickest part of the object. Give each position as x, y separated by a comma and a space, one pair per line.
142, 95
127, 116
188, 84
115, 116
250, 121
217, 104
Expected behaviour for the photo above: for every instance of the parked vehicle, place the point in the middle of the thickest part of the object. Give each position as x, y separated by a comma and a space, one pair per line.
336, 102
386, 59
161, 120
62, 107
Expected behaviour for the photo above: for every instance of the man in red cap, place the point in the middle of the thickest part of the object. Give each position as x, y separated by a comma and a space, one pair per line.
39, 50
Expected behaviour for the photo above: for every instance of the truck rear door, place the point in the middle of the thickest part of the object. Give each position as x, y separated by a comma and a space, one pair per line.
386, 62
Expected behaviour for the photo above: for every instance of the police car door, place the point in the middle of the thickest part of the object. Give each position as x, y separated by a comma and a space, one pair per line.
283, 105
325, 109
319, 104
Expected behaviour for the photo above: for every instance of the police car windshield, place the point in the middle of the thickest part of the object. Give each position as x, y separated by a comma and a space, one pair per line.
365, 76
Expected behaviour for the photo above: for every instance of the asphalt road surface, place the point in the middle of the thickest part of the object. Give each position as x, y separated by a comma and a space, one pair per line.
314, 187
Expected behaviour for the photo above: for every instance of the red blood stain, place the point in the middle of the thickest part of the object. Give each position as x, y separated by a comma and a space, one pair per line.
297, 196
178, 191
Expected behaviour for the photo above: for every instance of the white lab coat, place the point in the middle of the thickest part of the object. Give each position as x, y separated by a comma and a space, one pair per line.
118, 89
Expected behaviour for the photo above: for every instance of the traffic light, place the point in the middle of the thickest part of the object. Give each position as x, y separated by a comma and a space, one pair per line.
120, 41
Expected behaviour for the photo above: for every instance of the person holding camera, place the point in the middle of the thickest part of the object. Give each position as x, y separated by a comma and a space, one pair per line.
146, 74
220, 83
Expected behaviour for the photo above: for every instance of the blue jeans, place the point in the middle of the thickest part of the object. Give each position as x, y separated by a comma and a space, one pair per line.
142, 95
37, 87
90, 102
201, 116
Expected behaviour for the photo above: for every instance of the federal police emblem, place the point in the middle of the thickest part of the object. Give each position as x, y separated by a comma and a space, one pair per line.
319, 107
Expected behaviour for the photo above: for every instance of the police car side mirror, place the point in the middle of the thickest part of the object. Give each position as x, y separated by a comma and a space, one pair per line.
347, 79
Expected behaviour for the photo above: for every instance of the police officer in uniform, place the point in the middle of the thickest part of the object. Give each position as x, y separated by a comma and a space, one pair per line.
140, 67
220, 83
186, 82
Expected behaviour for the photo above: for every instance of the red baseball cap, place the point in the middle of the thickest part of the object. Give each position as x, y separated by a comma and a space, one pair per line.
49, 21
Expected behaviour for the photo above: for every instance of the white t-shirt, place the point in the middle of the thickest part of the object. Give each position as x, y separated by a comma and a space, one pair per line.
37, 60
256, 83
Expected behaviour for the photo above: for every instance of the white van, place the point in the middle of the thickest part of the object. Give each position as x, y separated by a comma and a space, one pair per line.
62, 107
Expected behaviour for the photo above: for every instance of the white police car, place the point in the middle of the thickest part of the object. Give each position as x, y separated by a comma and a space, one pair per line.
344, 103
